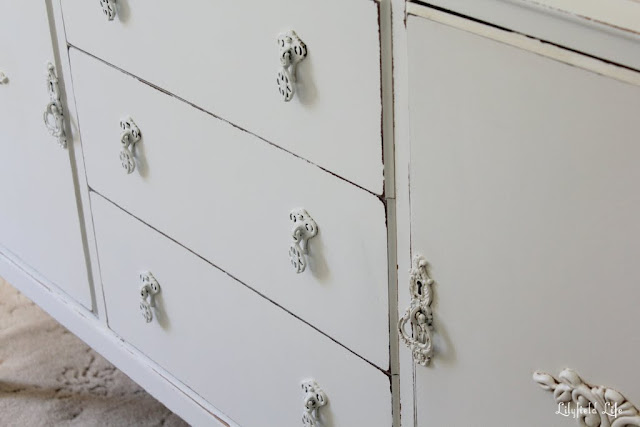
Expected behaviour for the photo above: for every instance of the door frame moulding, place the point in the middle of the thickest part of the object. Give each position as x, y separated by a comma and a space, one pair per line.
61, 52
399, 218
579, 28
527, 43
618, 14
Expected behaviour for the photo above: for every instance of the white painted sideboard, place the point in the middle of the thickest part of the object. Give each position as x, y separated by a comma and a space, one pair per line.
339, 213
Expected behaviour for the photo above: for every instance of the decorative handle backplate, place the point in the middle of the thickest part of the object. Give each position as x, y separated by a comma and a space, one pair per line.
109, 8
149, 289
292, 51
128, 138
3, 78
53, 113
419, 313
592, 405
314, 399
304, 228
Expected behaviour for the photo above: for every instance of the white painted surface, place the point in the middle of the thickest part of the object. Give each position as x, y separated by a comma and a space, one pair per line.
77, 158
557, 26
524, 201
386, 40
160, 384
227, 195
39, 220
223, 57
528, 43
231, 346
402, 216
623, 14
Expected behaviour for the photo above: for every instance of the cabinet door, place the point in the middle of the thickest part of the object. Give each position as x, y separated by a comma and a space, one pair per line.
525, 203
39, 218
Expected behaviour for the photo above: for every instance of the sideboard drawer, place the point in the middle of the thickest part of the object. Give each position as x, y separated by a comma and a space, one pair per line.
238, 351
227, 196
224, 57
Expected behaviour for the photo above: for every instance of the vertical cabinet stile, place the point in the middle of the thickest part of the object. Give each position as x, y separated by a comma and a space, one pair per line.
39, 219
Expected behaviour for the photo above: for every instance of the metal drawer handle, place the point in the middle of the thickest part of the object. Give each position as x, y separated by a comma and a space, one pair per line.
292, 51
53, 114
109, 8
304, 228
128, 138
419, 313
53, 119
314, 399
149, 289
3, 78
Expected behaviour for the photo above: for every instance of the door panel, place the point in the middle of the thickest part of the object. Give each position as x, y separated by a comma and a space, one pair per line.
524, 201
39, 221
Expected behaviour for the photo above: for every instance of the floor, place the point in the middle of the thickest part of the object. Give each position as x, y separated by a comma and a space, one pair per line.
49, 377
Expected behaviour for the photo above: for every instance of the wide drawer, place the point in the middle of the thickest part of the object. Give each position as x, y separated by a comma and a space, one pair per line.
224, 57
235, 349
227, 196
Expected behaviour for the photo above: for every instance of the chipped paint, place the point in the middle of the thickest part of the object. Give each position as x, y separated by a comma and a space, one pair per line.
526, 42
616, 14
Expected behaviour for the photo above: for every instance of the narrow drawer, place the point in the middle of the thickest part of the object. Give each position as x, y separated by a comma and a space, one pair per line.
227, 196
224, 57
240, 352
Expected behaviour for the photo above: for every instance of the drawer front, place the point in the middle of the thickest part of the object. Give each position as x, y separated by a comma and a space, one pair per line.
237, 350
227, 196
224, 57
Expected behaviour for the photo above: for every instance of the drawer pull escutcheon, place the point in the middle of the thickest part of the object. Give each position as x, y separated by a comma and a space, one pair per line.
149, 289
109, 8
314, 399
292, 51
304, 228
128, 138
53, 113
419, 313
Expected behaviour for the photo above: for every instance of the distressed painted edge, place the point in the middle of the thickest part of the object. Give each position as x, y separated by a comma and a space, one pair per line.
81, 187
623, 15
527, 43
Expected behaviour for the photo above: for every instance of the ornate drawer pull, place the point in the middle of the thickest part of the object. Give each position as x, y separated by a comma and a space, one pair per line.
419, 313
53, 120
53, 113
3, 78
128, 138
109, 8
292, 51
314, 399
149, 289
304, 228
594, 405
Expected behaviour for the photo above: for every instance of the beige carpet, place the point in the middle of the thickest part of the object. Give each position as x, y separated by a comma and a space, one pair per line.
48, 377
